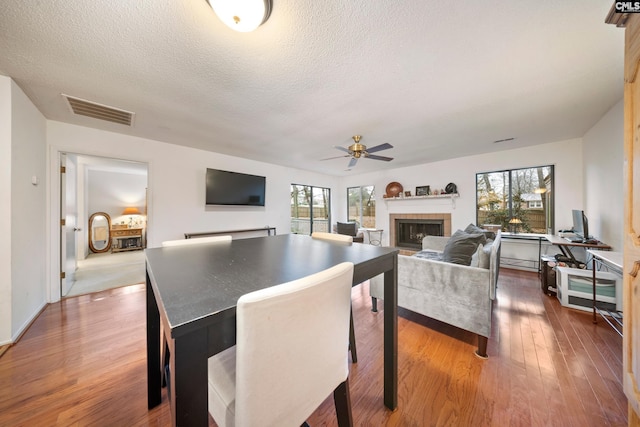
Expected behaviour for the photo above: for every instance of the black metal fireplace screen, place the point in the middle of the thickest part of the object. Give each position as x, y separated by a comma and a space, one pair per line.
410, 232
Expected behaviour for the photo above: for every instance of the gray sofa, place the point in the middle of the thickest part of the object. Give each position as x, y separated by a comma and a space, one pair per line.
459, 295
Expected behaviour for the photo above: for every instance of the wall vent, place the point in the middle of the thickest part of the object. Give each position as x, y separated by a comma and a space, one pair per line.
94, 110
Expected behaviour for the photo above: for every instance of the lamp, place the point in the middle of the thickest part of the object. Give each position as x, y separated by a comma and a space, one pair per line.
514, 224
242, 15
131, 211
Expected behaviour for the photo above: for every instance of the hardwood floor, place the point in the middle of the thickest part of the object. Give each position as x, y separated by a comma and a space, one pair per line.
83, 362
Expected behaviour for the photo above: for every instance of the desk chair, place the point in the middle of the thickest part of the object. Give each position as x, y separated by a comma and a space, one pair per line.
196, 241
164, 345
320, 235
290, 354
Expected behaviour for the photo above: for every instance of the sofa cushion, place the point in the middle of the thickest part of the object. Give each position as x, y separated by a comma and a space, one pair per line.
461, 246
474, 229
427, 254
348, 228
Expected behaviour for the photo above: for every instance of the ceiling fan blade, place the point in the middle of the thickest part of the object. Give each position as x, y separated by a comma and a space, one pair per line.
337, 157
380, 147
352, 162
342, 149
386, 159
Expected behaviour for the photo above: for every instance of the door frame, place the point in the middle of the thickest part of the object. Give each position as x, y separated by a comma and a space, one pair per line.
53, 206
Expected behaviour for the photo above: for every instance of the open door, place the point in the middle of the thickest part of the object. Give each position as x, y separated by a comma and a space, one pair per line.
631, 232
68, 223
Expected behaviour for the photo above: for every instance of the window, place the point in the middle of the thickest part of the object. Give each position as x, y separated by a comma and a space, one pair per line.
310, 209
520, 200
361, 206
535, 204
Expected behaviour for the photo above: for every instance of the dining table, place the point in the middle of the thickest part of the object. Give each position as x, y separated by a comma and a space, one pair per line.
191, 297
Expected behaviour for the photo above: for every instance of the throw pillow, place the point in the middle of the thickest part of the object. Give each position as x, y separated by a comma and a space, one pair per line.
484, 255
461, 246
474, 229
348, 228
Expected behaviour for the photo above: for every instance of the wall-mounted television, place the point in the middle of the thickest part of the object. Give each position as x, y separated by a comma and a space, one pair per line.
233, 188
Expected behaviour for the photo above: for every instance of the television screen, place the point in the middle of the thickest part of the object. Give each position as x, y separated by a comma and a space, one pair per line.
233, 188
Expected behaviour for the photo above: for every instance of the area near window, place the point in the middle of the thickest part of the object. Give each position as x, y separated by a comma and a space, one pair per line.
310, 209
518, 200
361, 206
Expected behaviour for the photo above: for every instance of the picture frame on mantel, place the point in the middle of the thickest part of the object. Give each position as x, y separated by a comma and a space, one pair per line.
424, 190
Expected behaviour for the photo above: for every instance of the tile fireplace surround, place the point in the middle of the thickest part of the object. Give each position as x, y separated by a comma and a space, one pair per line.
445, 217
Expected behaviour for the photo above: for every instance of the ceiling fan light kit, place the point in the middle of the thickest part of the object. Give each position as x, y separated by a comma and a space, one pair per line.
242, 15
357, 150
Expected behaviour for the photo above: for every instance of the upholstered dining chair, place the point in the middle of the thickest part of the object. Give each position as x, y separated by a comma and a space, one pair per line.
196, 241
321, 235
332, 236
290, 354
164, 347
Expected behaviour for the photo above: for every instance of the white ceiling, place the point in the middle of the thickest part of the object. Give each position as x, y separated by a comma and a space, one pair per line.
436, 79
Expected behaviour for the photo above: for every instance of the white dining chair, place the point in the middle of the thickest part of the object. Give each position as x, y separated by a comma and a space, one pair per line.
164, 346
196, 241
290, 354
343, 238
332, 236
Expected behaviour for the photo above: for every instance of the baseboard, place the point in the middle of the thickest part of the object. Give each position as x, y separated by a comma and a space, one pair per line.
16, 337
4, 348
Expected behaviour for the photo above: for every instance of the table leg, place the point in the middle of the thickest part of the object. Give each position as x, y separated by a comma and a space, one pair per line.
594, 288
391, 336
154, 373
188, 378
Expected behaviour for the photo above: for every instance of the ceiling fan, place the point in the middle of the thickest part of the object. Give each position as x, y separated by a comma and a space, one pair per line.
357, 150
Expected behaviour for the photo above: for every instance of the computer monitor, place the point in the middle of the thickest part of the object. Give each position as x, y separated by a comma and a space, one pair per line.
580, 224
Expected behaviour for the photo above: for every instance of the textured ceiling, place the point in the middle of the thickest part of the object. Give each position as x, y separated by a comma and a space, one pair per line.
435, 79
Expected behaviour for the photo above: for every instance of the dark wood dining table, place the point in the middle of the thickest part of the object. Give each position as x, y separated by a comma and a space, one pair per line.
192, 292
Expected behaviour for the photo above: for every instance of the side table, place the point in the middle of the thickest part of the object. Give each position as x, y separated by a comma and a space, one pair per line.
375, 236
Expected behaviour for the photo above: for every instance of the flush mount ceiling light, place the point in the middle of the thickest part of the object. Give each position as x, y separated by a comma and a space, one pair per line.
242, 15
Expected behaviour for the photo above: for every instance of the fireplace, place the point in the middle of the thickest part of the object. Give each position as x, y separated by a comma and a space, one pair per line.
410, 232
407, 230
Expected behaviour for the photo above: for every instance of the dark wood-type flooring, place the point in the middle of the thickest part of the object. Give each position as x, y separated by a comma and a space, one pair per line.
82, 362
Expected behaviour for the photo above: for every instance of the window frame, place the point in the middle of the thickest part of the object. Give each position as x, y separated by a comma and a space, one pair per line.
549, 212
372, 198
312, 189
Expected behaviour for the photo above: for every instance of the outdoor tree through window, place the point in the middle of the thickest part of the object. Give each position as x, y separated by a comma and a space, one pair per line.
310, 209
361, 206
520, 200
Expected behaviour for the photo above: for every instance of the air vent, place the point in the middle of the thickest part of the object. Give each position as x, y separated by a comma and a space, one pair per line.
86, 108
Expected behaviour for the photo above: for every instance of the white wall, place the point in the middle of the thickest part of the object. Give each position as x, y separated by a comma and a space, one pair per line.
5, 210
28, 210
177, 184
603, 152
112, 192
565, 155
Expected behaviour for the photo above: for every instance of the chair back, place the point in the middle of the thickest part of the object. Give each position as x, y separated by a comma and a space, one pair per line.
196, 241
321, 235
292, 347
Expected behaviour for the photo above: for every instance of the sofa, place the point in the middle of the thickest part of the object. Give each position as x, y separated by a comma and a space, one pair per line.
459, 292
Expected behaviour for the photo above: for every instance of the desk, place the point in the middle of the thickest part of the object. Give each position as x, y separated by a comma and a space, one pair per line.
565, 246
527, 236
614, 261
193, 291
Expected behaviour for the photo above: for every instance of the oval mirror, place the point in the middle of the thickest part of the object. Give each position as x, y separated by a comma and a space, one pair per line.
100, 232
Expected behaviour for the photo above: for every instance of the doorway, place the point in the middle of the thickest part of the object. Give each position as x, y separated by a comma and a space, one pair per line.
114, 189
